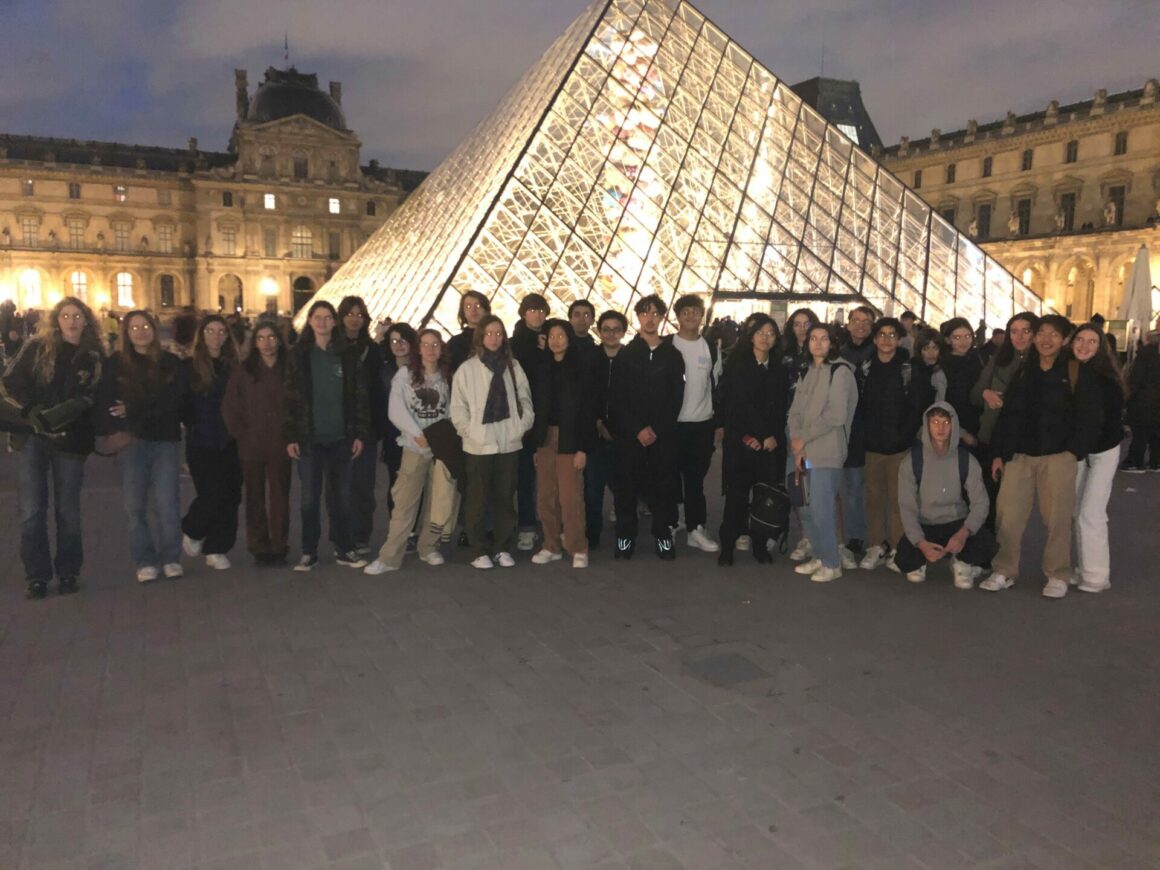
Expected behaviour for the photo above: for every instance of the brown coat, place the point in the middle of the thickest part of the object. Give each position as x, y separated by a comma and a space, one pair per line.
255, 410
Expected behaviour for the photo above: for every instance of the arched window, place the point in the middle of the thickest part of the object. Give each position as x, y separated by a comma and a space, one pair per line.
79, 285
124, 282
30, 288
301, 242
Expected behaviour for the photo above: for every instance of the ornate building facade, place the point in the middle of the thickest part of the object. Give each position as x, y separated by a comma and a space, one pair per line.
258, 227
1063, 198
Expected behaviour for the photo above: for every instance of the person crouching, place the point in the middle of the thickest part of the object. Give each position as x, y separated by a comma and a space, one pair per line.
943, 503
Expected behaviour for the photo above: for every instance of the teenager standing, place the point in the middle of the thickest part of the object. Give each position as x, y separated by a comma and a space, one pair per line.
53, 384
210, 526
473, 307
611, 328
254, 409
528, 349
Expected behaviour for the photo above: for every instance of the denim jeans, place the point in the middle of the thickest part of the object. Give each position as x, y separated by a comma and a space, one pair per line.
853, 503
149, 471
821, 520
332, 463
362, 493
39, 461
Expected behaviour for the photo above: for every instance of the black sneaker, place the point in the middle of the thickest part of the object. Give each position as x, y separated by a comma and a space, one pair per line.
624, 548
1132, 469
362, 549
67, 585
664, 548
36, 590
463, 542
351, 559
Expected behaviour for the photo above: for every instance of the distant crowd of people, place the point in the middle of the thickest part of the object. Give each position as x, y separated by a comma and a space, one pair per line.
896, 444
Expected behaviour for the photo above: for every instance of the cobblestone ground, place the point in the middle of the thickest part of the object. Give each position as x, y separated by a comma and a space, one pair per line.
651, 716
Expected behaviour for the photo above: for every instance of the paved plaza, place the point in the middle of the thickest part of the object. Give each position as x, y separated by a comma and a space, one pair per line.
648, 716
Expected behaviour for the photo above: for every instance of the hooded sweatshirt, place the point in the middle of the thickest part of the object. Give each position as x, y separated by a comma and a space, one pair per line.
823, 412
939, 500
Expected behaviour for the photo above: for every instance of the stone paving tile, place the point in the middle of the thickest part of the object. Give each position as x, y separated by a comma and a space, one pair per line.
663, 717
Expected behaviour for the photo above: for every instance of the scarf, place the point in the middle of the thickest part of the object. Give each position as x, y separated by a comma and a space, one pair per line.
495, 408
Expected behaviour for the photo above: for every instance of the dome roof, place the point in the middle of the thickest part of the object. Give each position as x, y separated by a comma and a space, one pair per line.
284, 93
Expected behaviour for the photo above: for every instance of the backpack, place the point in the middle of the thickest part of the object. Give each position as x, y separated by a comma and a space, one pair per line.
769, 512
916, 463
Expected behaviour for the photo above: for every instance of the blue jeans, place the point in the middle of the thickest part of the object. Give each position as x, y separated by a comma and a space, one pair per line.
38, 460
332, 463
854, 503
821, 520
149, 470
803, 513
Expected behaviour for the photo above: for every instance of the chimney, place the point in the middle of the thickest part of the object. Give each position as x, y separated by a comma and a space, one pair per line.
972, 131
903, 146
336, 92
935, 139
241, 88
1052, 113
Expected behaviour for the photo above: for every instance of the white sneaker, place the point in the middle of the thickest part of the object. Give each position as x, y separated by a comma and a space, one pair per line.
220, 561
544, 557
526, 541
505, 560
849, 560
172, 570
1055, 588
580, 560
917, 575
307, 562
1085, 586
190, 546
434, 559
699, 540
875, 558
802, 551
483, 563
891, 565
146, 574
964, 575
378, 567
825, 575
997, 582
808, 567
744, 542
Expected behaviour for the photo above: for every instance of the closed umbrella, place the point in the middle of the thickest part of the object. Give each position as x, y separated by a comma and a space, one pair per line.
1137, 304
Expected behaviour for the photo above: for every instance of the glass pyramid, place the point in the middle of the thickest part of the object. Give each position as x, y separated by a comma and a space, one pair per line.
646, 152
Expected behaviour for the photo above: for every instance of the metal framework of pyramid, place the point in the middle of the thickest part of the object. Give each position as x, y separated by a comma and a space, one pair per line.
646, 152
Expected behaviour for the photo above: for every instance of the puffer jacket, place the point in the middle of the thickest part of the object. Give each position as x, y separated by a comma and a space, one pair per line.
469, 389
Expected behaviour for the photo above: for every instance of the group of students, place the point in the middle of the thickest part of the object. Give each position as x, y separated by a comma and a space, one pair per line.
517, 438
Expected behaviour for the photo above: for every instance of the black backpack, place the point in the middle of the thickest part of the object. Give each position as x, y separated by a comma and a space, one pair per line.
769, 512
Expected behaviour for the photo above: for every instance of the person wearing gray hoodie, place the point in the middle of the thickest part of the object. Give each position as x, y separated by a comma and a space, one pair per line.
943, 513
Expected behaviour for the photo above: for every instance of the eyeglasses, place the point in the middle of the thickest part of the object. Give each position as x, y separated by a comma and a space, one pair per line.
399, 341
765, 333
888, 335
613, 330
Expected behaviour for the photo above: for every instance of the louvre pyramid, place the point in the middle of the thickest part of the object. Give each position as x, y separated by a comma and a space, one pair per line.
647, 152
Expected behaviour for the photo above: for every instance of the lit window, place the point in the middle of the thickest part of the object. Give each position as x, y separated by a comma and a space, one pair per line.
120, 193
334, 206
121, 236
163, 197
165, 238
301, 242
371, 209
269, 201
1121, 144
30, 287
27, 187
851, 131
1071, 152
1027, 159
124, 282
229, 241
227, 199
79, 282
76, 233
74, 190
29, 226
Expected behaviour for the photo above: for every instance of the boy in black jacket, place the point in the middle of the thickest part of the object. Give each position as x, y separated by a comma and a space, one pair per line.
645, 393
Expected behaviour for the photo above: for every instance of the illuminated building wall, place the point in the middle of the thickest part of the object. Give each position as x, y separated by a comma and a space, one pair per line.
646, 152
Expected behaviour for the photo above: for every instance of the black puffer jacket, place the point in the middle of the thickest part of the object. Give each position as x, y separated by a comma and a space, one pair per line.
1043, 414
646, 389
962, 374
1144, 388
560, 394
1112, 402
888, 408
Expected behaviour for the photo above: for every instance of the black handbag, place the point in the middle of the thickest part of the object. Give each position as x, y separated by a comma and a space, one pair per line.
769, 506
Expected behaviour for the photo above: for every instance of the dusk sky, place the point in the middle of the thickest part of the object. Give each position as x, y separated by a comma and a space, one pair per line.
419, 74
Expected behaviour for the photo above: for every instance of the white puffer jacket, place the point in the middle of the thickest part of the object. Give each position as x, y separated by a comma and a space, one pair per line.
468, 397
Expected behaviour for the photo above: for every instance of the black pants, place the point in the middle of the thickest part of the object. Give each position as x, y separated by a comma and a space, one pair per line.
740, 470
393, 459
362, 494
648, 472
986, 456
1144, 438
213, 515
693, 454
979, 550
491, 491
